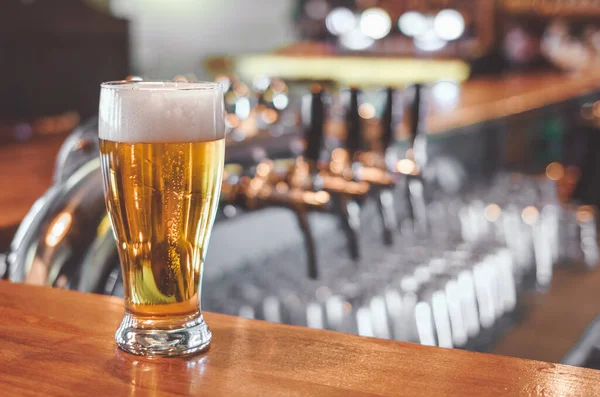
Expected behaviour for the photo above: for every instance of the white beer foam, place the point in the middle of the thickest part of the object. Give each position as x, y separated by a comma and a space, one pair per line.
145, 112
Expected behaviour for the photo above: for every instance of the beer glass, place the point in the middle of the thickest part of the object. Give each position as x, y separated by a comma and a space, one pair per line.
162, 151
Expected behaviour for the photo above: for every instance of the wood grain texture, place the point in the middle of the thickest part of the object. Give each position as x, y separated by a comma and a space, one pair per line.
26, 171
490, 98
59, 343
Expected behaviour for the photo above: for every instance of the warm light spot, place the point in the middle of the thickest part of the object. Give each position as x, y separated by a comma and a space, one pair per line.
278, 85
366, 111
282, 187
62, 282
597, 109
269, 116
339, 155
371, 174
136, 199
347, 173
232, 121
308, 197
58, 229
265, 191
358, 187
369, 158
530, 215
256, 184
263, 169
336, 167
406, 166
492, 212
555, 171
585, 214
321, 197
333, 183
240, 89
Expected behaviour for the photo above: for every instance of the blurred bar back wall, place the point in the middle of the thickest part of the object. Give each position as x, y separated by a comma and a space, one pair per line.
53, 55
387, 175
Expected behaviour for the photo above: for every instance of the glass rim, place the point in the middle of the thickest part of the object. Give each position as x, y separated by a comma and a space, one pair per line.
160, 85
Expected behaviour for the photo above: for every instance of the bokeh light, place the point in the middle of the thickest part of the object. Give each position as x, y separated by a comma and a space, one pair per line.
340, 21
375, 23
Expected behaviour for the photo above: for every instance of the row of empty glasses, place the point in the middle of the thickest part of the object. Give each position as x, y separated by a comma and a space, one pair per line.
457, 285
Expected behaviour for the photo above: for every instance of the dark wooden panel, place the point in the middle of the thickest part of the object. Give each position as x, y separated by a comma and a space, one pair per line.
54, 56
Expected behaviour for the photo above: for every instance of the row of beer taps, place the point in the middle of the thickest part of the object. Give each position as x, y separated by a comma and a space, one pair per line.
340, 180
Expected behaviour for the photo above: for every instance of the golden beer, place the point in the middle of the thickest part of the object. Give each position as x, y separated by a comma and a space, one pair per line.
162, 199
162, 151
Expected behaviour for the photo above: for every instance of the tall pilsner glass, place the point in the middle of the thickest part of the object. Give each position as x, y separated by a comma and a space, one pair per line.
162, 147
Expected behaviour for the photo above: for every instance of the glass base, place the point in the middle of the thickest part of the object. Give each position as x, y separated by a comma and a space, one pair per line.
145, 338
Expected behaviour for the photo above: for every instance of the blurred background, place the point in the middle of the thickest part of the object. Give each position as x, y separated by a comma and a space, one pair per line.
424, 171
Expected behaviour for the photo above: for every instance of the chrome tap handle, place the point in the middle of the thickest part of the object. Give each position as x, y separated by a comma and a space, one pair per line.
354, 138
415, 120
387, 119
313, 127
385, 199
415, 113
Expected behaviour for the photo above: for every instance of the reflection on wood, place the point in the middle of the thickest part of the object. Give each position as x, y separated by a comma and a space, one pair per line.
25, 174
60, 343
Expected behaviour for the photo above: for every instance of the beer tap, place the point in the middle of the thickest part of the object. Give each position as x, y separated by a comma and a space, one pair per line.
414, 120
292, 188
337, 177
267, 188
306, 185
370, 167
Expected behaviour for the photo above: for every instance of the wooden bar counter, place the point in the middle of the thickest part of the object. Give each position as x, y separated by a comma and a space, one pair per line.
60, 343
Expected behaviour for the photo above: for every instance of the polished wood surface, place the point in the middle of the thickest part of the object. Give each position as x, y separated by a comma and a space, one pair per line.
59, 343
26, 171
495, 97
555, 320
